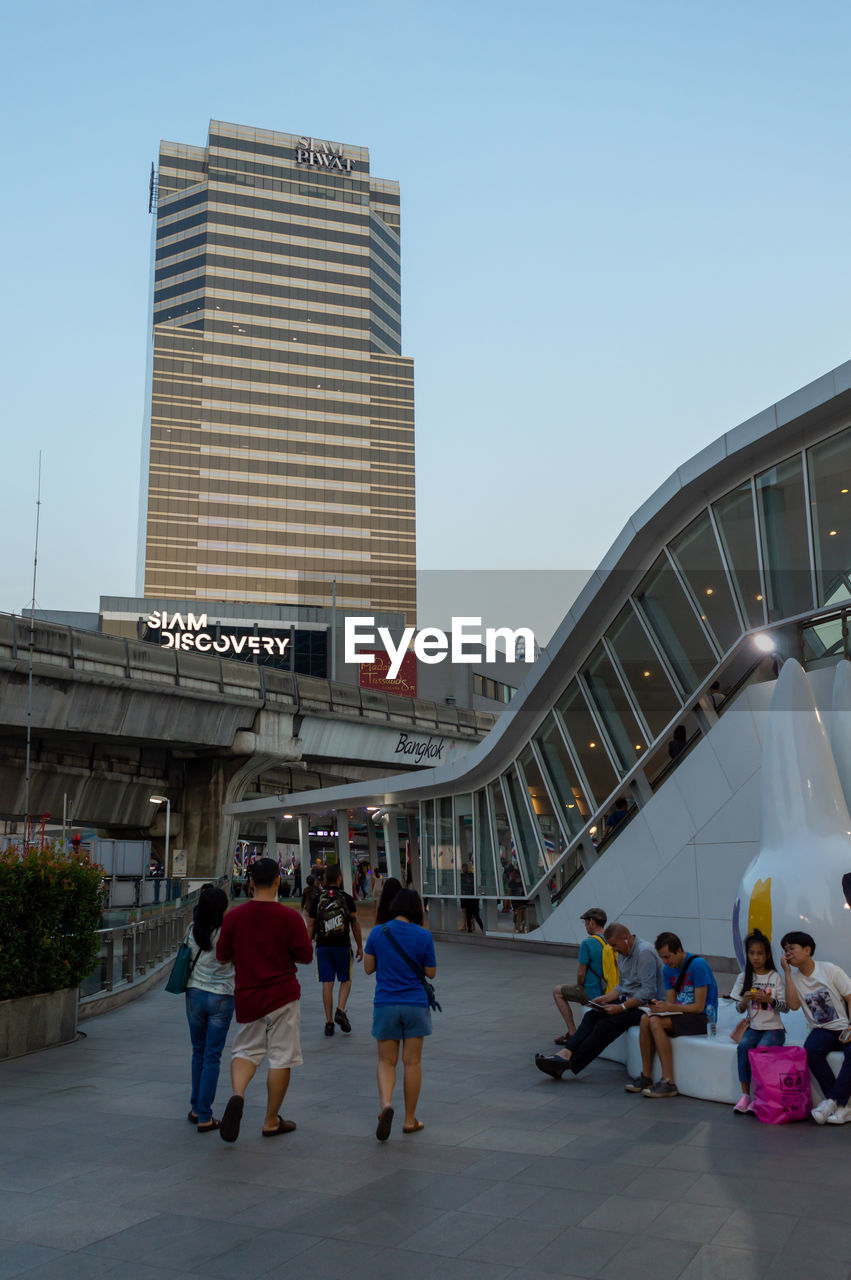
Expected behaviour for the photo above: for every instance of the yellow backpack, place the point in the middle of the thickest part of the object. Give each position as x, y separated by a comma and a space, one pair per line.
609, 964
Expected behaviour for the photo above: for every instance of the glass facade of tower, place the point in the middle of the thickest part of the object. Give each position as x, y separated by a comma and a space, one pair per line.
281, 437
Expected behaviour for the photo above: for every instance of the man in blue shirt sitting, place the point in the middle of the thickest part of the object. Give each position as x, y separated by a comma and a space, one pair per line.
690, 1004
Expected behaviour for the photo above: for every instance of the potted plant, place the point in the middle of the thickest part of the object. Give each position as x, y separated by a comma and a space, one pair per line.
50, 908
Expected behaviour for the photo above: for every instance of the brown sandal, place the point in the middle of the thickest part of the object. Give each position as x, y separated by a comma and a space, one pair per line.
415, 1129
284, 1126
385, 1122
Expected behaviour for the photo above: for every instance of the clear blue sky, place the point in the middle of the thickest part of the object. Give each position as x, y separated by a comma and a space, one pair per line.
625, 229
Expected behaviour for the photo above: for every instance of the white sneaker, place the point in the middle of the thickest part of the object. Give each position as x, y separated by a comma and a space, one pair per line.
822, 1113
842, 1115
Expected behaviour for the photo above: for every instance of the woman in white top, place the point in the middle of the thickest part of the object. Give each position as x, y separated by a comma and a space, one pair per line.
209, 1005
760, 993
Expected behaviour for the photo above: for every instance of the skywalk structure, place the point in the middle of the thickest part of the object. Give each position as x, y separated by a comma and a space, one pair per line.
653, 693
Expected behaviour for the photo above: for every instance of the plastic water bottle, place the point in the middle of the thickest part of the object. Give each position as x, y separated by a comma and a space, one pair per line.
711, 1028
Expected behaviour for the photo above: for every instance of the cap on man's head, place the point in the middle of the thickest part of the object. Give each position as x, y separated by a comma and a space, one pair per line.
595, 913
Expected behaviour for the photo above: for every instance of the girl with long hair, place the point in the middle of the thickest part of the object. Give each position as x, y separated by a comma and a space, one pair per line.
760, 993
392, 886
209, 1005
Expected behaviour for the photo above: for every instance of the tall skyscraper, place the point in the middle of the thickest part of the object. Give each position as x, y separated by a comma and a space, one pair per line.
279, 447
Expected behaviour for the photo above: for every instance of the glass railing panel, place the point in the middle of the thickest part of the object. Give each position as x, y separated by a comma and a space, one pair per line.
735, 519
587, 743
550, 832
561, 775
823, 644
483, 867
643, 671
675, 625
445, 847
612, 704
699, 560
785, 541
829, 465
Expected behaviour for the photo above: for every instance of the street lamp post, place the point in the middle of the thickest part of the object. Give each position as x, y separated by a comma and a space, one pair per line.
164, 800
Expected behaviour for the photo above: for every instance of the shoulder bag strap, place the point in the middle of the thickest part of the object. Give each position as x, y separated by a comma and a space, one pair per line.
600, 954
412, 964
682, 974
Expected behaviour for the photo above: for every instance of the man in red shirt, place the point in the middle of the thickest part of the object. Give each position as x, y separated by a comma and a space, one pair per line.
264, 939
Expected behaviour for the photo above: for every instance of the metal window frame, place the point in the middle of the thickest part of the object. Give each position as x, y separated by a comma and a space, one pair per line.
556, 804
477, 842
662, 657
542, 839
620, 676
743, 624
713, 644
808, 511
455, 833
724, 571
512, 827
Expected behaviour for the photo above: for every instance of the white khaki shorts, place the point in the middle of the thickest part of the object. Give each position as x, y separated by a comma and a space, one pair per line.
274, 1036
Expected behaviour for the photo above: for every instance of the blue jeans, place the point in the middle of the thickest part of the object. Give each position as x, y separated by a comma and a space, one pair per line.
749, 1041
209, 1018
818, 1044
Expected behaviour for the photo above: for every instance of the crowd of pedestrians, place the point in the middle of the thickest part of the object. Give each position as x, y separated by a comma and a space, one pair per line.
243, 963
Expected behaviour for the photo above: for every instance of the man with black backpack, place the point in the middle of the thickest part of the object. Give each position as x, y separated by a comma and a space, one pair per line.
333, 918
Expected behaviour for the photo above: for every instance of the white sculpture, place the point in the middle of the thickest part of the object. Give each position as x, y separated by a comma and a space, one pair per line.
796, 879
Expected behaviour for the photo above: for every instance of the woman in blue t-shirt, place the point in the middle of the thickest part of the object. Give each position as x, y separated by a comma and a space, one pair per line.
401, 1009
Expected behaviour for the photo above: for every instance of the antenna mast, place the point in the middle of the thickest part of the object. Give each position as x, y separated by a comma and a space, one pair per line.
32, 648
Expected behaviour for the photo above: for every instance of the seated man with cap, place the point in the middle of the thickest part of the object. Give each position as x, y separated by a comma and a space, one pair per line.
590, 982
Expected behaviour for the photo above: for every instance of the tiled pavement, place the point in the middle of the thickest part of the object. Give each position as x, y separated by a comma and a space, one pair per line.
516, 1177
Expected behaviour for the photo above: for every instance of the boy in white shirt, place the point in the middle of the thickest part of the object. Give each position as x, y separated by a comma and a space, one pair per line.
823, 991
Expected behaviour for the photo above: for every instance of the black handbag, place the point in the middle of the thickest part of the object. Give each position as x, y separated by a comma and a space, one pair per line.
418, 970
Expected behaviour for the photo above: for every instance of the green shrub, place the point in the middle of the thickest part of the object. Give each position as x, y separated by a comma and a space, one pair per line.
50, 908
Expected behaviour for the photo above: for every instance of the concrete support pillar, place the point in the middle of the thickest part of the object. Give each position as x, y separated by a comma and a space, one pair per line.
391, 846
416, 864
372, 841
343, 856
304, 845
272, 839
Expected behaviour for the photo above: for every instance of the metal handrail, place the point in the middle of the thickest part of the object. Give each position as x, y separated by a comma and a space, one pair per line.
128, 952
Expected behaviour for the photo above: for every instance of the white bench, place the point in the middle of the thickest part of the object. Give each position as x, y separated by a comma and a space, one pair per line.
706, 1067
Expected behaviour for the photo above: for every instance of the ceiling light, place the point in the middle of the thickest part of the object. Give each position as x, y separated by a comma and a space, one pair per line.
646, 675
592, 744
765, 642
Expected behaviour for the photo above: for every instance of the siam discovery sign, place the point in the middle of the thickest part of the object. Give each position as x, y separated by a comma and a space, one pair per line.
191, 632
322, 155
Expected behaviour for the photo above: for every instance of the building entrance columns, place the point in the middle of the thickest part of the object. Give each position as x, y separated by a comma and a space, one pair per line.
391, 846
344, 857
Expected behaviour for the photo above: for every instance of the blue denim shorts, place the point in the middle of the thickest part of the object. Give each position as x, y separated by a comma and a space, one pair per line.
400, 1021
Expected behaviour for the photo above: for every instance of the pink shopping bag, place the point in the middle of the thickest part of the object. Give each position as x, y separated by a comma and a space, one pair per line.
781, 1083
